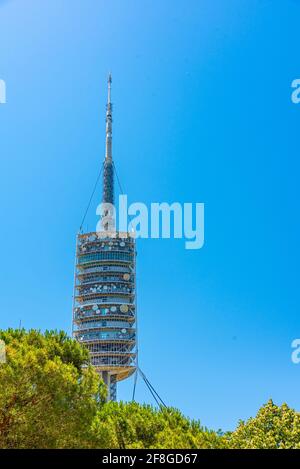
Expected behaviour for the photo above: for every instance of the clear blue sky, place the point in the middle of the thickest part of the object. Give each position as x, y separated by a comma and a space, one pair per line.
202, 113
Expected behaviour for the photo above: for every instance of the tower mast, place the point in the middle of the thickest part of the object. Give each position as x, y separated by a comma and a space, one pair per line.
108, 152
108, 170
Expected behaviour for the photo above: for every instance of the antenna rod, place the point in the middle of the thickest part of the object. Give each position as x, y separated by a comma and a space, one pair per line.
108, 150
108, 222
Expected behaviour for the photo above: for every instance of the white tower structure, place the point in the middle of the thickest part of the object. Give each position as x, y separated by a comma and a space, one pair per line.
104, 312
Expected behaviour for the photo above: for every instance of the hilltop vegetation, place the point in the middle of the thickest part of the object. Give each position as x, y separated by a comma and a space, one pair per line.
50, 397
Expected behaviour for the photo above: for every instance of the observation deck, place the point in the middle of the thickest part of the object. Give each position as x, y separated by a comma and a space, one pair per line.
104, 309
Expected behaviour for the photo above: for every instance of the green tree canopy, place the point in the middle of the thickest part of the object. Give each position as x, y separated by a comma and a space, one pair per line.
49, 393
50, 397
131, 425
273, 427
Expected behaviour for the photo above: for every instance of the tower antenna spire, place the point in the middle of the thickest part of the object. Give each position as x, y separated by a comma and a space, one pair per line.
108, 149
108, 222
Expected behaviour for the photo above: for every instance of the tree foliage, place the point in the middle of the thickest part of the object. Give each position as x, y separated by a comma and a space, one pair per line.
274, 427
49, 394
50, 397
131, 425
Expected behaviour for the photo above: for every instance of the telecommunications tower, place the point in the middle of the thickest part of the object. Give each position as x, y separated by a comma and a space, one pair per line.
104, 307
